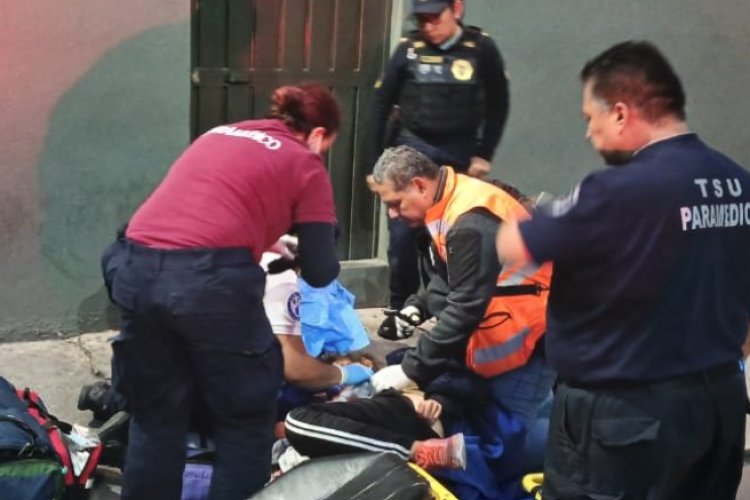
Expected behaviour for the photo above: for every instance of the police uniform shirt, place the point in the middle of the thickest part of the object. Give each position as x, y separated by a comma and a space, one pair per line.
489, 73
652, 266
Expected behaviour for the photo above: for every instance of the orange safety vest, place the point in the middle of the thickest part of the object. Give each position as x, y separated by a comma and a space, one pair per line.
513, 323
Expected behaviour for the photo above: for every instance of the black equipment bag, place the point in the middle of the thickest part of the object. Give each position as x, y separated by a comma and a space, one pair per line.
360, 476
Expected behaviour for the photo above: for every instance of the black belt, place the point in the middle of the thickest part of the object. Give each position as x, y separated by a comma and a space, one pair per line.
188, 258
714, 374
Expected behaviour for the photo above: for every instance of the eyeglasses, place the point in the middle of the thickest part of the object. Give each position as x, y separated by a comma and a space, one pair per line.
422, 19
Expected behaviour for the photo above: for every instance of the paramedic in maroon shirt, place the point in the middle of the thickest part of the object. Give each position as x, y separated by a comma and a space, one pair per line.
187, 283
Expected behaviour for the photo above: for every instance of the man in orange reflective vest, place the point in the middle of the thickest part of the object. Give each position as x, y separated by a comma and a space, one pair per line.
488, 319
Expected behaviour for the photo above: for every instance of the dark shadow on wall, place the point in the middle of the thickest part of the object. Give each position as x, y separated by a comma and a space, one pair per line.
110, 140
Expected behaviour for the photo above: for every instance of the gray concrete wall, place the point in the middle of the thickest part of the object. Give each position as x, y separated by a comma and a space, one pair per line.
546, 42
94, 99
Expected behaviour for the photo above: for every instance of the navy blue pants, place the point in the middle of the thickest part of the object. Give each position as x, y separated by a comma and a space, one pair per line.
403, 262
193, 328
682, 438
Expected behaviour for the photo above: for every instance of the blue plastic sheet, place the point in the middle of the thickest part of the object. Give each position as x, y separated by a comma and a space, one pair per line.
329, 322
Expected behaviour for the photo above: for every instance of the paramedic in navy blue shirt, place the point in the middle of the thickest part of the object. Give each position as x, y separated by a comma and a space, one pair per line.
650, 297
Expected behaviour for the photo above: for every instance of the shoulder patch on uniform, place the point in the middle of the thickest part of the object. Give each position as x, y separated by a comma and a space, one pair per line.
292, 305
403, 39
418, 44
562, 206
469, 43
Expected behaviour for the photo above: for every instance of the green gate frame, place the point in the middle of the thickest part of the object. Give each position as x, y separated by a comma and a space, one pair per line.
242, 49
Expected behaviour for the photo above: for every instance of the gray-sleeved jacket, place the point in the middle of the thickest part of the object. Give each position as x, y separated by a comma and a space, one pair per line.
457, 295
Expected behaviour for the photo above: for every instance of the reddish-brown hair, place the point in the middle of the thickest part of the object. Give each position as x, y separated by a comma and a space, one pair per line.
305, 107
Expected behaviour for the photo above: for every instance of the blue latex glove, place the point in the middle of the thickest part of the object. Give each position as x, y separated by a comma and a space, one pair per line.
354, 373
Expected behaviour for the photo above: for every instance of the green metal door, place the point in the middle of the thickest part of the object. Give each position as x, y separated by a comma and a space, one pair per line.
243, 49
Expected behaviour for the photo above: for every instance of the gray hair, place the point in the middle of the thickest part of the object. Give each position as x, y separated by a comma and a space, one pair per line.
401, 164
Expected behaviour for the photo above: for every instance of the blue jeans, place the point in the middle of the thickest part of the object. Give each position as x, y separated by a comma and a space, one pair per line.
193, 328
526, 393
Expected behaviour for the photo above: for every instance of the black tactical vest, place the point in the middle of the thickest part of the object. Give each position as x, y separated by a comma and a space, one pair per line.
442, 93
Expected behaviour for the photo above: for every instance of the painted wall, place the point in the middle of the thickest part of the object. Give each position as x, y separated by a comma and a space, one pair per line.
94, 100
546, 42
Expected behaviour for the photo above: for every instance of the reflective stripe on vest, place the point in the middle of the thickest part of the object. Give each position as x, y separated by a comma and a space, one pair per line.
512, 325
517, 275
497, 352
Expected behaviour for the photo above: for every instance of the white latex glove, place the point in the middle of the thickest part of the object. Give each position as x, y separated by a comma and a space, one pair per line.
391, 377
287, 246
406, 320
479, 167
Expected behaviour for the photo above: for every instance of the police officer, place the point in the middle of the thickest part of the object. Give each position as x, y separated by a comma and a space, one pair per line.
650, 300
448, 81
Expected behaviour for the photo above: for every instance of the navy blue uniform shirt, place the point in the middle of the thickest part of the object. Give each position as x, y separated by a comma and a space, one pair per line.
652, 266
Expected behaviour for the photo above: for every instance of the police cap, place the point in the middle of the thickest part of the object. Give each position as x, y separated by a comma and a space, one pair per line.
429, 6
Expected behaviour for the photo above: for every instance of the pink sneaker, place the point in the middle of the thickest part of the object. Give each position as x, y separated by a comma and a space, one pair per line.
446, 453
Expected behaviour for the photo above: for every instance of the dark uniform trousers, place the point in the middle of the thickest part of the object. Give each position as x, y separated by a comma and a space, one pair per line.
678, 439
193, 328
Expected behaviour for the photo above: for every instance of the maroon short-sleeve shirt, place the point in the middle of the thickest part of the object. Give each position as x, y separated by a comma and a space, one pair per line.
238, 185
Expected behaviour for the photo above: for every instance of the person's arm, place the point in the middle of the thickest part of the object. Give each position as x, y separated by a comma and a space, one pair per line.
419, 299
497, 98
473, 268
314, 218
451, 411
281, 302
746, 345
387, 92
511, 249
318, 262
570, 230
302, 369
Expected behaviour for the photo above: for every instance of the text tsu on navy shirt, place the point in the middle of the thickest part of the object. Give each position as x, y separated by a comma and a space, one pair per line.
652, 266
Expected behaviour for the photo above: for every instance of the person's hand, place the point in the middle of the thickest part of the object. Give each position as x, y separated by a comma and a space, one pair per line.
287, 246
391, 377
281, 265
354, 373
479, 167
406, 320
429, 409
